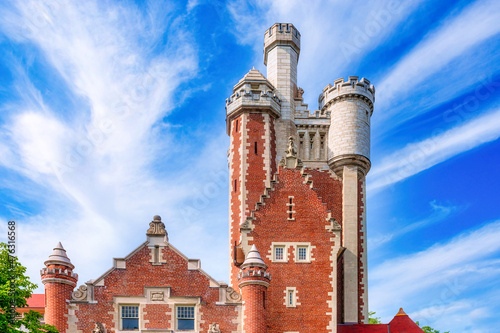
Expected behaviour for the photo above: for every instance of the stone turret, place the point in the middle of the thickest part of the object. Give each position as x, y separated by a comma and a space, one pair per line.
59, 281
351, 107
350, 104
253, 281
281, 56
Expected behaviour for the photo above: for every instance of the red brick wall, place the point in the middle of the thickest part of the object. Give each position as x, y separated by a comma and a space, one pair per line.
234, 200
361, 250
312, 280
254, 313
255, 176
140, 273
155, 314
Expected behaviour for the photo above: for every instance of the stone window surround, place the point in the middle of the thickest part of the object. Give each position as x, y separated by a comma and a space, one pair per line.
142, 301
295, 298
295, 245
139, 316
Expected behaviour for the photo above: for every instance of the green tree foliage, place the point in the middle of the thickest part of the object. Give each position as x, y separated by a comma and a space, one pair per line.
15, 289
372, 319
428, 329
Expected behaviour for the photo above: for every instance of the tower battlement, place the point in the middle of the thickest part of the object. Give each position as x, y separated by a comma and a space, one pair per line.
353, 86
281, 34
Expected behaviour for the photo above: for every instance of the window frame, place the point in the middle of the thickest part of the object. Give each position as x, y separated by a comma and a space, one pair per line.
291, 297
177, 306
120, 313
297, 253
284, 257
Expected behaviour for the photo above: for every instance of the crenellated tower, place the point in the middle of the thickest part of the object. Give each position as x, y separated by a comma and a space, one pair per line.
59, 281
350, 105
252, 111
281, 56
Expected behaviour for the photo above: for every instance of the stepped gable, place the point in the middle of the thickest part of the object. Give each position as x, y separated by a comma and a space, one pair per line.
402, 323
329, 189
155, 281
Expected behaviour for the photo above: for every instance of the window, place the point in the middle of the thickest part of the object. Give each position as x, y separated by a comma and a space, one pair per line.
185, 318
129, 317
279, 253
302, 253
290, 297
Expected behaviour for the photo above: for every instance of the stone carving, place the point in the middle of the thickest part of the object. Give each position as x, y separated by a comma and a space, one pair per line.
334, 225
213, 328
98, 328
291, 151
157, 296
80, 294
291, 160
299, 93
156, 227
232, 295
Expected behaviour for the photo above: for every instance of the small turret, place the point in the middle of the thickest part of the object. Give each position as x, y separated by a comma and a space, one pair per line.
253, 281
59, 281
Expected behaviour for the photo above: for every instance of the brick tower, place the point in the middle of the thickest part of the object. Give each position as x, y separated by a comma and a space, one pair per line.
253, 281
59, 281
297, 191
251, 113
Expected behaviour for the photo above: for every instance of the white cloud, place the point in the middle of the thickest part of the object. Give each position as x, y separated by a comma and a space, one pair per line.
96, 163
420, 156
409, 278
454, 36
439, 213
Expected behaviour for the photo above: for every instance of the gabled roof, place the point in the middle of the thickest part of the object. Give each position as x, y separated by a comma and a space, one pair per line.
36, 301
253, 76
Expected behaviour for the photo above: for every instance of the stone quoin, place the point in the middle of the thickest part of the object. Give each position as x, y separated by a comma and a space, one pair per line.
297, 225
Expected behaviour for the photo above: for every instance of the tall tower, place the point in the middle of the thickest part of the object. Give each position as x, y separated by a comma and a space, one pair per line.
251, 114
306, 214
351, 106
59, 281
281, 56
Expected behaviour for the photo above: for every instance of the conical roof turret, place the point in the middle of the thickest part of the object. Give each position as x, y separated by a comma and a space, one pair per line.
253, 259
59, 257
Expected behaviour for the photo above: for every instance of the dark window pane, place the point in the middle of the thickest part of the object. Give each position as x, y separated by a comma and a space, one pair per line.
130, 323
185, 324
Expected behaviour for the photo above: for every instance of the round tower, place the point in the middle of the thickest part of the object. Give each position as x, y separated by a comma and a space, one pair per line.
59, 281
350, 105
253, 281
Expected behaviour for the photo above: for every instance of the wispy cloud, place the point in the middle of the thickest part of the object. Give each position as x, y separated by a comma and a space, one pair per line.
439, 213
451, 39
95, 163
448, 267
420, 156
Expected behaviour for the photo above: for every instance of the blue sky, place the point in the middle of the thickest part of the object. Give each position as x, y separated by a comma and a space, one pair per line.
112, 112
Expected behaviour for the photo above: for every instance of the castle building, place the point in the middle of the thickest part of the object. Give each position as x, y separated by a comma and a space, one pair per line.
297, 225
